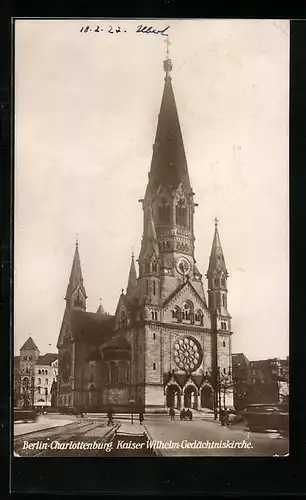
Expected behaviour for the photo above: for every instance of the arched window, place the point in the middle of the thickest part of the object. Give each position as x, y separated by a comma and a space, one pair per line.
30, 358
46, 381
147, 287
39, 381
223, 281
152, 314
155, 315
181, 214
27, 370
113, 373
38, 390
224, 300
154, 336
199, 317
187, 313
39, 372
105, 372
154, 288
154, 366
164, 212
223, 343
25, 381
176, 313
122, 372
154, 267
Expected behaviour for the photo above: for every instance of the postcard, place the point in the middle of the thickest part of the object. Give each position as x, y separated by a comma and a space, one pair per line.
151, 246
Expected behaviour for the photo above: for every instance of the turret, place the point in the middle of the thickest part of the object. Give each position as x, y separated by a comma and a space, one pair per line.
217, 276
76, 293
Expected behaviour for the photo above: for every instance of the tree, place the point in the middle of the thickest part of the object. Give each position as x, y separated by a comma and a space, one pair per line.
225, 385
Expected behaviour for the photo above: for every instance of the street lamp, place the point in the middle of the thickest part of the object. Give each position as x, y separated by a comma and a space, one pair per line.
132, 402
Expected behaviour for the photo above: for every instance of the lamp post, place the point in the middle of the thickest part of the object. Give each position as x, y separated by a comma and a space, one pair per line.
132, 402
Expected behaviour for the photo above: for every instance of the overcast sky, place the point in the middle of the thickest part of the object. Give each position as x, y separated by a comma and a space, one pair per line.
86, 109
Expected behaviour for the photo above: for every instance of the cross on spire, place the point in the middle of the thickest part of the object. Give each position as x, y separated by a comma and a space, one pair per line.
216, 221
77, 240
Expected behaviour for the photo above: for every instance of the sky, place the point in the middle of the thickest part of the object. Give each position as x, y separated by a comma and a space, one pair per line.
86, 109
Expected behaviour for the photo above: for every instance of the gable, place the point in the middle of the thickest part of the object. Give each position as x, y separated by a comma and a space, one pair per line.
186, 293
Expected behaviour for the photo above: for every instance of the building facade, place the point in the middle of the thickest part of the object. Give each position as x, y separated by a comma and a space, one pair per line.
34, 375
166, 342
259, 381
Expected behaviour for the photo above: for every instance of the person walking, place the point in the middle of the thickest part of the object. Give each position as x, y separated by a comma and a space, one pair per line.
141, 418
172, 413
110, 417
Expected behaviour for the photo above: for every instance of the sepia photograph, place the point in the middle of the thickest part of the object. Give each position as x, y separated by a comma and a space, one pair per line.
151, 238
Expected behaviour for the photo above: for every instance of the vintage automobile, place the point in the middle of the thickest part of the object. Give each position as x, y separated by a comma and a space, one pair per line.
70, 410
263, 417
186, 414
25, 414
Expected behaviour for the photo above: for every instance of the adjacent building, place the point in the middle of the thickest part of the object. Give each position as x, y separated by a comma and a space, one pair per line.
260, 381
34, 375
167, 341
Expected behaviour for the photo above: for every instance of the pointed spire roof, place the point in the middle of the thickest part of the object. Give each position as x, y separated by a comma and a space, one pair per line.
149, 240
132, 281
76, 277
100, 309
169, 164
216, 260
29, 345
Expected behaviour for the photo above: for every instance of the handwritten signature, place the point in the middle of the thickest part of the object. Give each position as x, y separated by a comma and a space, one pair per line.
149, 30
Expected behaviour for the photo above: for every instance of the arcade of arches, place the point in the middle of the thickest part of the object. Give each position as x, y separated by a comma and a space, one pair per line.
189, 396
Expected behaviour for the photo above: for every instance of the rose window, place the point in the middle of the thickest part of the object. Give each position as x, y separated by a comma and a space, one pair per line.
187, 354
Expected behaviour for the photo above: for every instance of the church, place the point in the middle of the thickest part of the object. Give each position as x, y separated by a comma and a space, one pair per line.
166, 345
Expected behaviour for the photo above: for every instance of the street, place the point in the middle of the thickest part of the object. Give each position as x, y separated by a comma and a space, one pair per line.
56, 435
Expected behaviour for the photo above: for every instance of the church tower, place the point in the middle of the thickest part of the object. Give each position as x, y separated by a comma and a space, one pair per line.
76, 293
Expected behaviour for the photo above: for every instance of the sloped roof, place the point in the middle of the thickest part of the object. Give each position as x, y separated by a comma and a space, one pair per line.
216, 259
118, 342
169, 164
178, 289
76, 277
47, 358
90, 325
29, 345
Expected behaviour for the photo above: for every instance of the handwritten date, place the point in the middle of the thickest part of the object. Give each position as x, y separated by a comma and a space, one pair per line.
148, 30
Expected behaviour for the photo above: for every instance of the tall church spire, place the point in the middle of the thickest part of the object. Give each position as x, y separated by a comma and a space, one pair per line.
169, 164
132, 281
76, 293
217, 275
216, 260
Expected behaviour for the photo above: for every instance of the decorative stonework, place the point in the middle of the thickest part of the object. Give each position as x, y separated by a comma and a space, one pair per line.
187, 354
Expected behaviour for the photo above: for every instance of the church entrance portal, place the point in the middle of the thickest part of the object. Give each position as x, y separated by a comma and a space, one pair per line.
207, 397
190, 397
173, 397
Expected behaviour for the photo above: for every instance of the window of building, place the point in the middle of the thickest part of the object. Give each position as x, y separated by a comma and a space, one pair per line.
223, 343
154, 267
147, 287
224, 371
25, 358
27, 370
39, 372
30, 358
113, 373
46, 372
164, 212
154, 288
176, 313
155, 315
181, 215
223, 281
154, 336
46, 381
147, 267
39, 380
154, 366
152, 314
38, 390
223, 300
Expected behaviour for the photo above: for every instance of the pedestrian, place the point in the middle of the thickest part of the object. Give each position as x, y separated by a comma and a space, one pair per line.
110, 417
222, 416
172, 413
225, 417
141, 418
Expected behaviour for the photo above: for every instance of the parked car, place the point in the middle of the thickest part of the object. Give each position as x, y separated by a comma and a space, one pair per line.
25, 414
186, 414
261, 417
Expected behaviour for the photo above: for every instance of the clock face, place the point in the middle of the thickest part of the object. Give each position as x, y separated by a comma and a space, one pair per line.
187, 354
66, 366
183, 265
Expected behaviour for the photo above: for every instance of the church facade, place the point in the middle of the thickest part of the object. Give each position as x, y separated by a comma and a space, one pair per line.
166, 345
